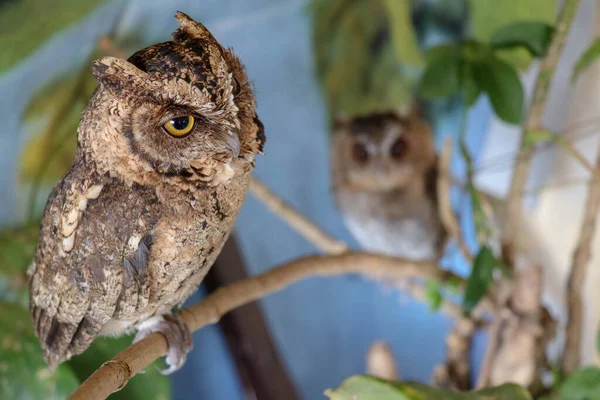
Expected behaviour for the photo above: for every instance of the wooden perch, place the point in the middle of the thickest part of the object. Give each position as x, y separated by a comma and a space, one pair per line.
512, 353
297, 221
261, 371
455, 373
330, 245
114, 374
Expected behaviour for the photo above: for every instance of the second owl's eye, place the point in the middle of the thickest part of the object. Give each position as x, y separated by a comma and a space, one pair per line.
398, 149
180, 126
359, 153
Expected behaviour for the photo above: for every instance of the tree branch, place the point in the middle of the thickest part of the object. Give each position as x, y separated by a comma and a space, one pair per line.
579, 265
330, 245
455, 373
114, 374
534, 122
297, 221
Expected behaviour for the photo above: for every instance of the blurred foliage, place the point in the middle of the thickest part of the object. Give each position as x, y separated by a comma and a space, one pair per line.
433, 294
583, 384
54, 114
360, 47
587, 58
26, 24
472, 68
17, 246
488, 16
368, 57
480, 279
23, 372
369, 388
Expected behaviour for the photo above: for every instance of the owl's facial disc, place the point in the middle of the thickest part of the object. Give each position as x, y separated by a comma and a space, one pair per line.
385, 152
183, 103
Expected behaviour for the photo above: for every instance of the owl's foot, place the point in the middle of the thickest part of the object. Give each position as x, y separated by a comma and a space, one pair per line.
178, 338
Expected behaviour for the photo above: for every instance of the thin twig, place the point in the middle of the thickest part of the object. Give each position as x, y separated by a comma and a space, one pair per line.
114, 374
447, 216
579, 265
297, 221
534, 122
576, 154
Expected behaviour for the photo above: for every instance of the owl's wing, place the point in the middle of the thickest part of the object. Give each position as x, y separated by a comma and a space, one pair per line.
92, 255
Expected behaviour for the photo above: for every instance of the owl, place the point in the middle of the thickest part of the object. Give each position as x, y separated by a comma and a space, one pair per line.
165, 150
384, 181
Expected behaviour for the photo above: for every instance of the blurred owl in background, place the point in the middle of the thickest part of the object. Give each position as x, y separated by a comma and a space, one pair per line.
384, 173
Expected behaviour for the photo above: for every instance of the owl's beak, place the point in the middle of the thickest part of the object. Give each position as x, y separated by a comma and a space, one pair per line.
233, 142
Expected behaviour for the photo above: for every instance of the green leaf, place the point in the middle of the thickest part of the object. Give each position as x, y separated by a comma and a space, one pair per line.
23, 372
480, 279
403, 33
470, 87
583, 384
441, 76
366, 388
533, 35
360, 387
488, 16
502, 84
151, 385
433, 294
587, 58
26, 24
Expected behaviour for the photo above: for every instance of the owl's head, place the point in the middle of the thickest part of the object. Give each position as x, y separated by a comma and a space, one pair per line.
182, 109
381, 152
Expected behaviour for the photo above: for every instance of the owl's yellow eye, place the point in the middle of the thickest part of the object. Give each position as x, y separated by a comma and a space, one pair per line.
180, 126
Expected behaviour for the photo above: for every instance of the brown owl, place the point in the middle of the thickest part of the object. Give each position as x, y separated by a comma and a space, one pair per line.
384, 181
165, 150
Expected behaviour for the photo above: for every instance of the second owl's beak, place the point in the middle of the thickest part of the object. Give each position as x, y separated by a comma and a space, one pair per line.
233, 142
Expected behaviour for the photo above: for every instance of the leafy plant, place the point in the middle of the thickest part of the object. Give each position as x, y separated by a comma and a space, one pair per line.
480, 279
23, 372
472, 68
489, 17
583, 384
361, 387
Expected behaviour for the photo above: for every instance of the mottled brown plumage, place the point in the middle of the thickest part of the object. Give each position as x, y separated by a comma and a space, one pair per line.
135, 224
384, 180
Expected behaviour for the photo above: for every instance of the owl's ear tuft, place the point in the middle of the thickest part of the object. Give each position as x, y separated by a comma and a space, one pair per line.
340, 121
190, 29
121, 78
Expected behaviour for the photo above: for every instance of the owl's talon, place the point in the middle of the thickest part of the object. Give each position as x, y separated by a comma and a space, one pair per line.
178, 336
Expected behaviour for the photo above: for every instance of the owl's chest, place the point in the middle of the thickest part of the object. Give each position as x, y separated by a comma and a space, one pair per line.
392, 228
